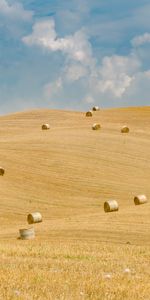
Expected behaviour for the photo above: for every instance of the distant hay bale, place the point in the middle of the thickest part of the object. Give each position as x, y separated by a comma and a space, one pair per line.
27, 234
140, 199
96, 126
35, 217
125, 129
2, 171
95, 108
45, 126
89, 113
111, 205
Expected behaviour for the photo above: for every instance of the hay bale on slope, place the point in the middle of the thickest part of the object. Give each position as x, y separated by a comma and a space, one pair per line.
96, 126
125, 129
2, 171
89, 113
95, 108
27, 234
45, 127
140, 199
35, 217
111, 205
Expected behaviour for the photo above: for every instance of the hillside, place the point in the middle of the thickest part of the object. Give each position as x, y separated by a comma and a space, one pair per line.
68, 172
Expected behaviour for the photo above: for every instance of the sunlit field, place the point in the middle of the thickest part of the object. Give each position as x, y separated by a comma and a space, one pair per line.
67, 173
54, 269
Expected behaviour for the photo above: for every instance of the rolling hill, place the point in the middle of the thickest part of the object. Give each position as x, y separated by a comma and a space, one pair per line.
68, 172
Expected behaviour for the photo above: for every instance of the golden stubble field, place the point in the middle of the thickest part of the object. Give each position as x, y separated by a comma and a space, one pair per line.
67, 173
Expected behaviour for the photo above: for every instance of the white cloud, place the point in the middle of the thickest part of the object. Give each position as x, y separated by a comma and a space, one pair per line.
138, 92
14, 11
76, 46
43, 35
78, 62
115, 74
141, 39
117, 86
75, 71
113, 77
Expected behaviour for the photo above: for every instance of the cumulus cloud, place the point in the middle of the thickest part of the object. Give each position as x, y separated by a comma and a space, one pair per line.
138, 92
75, 71
117, 86
75, 46
116, 74
78, 67
43, 35
14, 11
113, 76
141, 39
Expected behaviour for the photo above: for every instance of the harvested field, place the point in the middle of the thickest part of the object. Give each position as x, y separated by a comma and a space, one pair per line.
67, 174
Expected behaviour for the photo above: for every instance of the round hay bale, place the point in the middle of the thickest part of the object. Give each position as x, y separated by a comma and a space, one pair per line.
35, 217
95, 108
125, 129
89, 113
2, 171
45, 126
111, 205
27, 234
140, 199
96, 126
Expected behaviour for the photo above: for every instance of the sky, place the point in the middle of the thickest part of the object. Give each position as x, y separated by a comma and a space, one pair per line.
74, 54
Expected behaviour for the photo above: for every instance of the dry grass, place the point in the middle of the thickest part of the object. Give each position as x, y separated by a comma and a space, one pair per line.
73, 270
67, 173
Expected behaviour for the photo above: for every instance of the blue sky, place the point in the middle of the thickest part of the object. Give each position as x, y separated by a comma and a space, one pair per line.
73, 54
